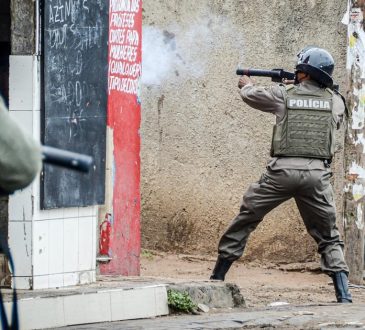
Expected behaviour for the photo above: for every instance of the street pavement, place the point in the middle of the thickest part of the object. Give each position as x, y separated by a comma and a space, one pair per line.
329, 316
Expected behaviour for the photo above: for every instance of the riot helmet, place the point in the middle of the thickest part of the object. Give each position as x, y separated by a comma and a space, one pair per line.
318, 63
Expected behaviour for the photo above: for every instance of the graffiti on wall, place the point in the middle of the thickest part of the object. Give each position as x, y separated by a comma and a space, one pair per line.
124, 44
122, 234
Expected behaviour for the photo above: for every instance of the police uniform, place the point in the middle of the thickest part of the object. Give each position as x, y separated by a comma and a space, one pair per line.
20, 155
303, 144
305, 179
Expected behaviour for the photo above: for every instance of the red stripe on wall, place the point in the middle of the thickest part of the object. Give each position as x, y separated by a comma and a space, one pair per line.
124, 117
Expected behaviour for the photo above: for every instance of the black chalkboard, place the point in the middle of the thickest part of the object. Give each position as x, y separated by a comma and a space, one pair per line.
74, 80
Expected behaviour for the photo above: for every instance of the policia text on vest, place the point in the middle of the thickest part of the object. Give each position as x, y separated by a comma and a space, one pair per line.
309, 104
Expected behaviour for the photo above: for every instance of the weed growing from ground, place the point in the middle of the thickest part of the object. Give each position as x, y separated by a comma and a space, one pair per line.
180, 301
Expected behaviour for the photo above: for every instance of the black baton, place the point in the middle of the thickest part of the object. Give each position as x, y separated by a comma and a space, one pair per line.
67, 159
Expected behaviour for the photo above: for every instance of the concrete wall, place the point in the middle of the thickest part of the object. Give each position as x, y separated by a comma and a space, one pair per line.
201, 145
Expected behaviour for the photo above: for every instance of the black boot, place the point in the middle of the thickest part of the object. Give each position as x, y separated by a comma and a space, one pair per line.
340, 283
221, 268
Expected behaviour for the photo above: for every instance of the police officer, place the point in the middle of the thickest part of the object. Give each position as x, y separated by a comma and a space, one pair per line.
307, 116
20, 154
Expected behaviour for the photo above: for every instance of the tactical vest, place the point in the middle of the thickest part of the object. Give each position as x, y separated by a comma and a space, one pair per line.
308, 127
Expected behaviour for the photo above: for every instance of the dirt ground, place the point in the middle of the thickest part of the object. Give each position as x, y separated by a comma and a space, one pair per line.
260, 284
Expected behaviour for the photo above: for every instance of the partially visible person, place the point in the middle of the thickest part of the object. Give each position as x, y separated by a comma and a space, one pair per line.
20, 154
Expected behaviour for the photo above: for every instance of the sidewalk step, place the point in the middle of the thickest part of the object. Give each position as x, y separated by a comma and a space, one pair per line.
56, 308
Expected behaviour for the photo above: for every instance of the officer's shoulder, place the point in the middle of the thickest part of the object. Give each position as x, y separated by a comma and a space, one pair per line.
287, 87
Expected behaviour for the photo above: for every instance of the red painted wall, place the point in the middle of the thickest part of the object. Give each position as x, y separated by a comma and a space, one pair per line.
120, 232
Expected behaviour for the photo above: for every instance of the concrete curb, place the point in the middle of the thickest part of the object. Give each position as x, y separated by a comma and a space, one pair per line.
212, 294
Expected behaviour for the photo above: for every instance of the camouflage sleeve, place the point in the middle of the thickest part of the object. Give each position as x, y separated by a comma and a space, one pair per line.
20, 154
268, 99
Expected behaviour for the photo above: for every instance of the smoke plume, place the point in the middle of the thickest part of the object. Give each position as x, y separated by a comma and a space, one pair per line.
176, 53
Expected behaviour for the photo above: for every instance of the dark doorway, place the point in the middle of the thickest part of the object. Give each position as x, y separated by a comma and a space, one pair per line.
4, 48
4, 92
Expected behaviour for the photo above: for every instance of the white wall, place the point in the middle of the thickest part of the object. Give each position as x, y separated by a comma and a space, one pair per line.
51, 248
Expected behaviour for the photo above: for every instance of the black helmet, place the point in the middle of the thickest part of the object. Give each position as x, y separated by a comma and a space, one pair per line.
318, 63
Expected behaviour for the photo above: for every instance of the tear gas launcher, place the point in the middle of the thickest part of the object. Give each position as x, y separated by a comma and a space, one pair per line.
277, 75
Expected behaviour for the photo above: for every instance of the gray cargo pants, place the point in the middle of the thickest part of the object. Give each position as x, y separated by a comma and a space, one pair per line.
313, 195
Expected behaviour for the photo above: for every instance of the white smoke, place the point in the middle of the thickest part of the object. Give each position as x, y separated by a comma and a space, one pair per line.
158, 56
170, 55
176, 53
